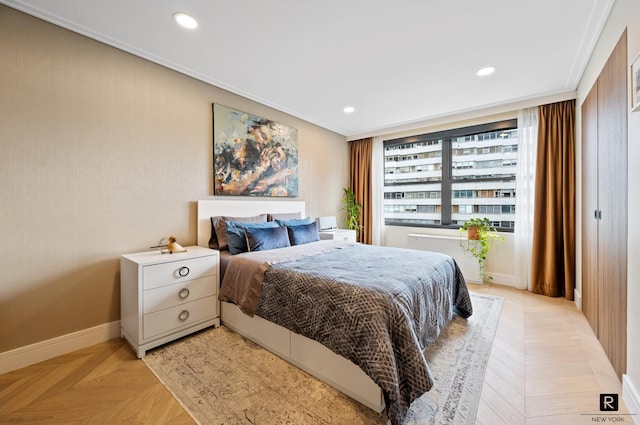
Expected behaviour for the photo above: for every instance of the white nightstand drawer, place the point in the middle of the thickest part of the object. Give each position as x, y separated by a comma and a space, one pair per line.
180, 270
338, 235
179, 293
180, 316
167, 296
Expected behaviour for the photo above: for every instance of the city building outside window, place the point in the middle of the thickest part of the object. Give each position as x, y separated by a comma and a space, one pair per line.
443, 179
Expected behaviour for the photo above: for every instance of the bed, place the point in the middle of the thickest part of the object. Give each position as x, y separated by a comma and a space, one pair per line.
372, 350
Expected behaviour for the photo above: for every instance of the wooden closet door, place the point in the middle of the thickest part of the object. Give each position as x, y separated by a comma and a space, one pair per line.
612, 201
589, 208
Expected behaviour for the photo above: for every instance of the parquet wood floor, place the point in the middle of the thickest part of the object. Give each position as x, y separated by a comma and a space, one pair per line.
546, 366
102, 384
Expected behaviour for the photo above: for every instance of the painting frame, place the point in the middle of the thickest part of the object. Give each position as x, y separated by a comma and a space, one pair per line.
253, 156
635, 85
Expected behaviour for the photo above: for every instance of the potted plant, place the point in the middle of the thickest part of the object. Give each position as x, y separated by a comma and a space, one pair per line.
351, 210
480, 235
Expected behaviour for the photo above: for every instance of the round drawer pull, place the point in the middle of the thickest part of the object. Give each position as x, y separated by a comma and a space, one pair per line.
346, 238
184, 293
183, 271
184, 315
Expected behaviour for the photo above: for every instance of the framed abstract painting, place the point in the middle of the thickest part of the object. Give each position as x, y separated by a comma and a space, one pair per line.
253, 156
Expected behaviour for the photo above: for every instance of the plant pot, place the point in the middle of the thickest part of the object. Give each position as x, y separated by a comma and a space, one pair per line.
472, 233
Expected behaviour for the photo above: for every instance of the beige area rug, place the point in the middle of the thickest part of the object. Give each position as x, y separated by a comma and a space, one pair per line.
224, 379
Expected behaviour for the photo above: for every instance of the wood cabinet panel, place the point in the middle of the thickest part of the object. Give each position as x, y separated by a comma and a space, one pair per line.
612, 199
604, 227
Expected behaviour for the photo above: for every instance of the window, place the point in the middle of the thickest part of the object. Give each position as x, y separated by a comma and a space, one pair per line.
442, 179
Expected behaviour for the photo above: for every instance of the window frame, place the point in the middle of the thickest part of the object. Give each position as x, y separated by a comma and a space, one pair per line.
447, 168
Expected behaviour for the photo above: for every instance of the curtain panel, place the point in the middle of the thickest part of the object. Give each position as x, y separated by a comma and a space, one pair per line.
525, 194
553, 245
360, 155
377, 194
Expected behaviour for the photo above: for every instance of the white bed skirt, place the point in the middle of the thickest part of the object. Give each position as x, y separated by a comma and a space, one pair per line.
307, 354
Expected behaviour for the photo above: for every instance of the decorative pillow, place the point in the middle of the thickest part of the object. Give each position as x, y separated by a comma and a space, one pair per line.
294, 221
284, 216
237, 238
219, 224
303, 233
269, 238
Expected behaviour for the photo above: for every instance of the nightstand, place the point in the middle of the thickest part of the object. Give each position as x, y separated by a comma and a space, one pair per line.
167, 296
338, 235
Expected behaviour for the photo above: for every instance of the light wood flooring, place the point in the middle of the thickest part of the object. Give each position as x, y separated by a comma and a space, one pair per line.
546, 366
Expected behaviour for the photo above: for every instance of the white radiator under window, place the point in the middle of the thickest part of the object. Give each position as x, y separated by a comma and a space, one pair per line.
450, 245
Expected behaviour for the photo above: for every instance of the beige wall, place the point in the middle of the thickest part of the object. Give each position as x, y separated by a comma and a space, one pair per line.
103, 153
625, 14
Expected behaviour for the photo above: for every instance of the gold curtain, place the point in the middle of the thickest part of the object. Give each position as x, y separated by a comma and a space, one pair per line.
553, 256
360, 153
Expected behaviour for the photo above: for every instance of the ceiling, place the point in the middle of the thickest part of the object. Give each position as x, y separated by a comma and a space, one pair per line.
396, 63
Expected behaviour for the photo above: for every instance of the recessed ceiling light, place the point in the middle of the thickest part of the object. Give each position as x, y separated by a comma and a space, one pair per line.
486, 71
349, 109
184, 20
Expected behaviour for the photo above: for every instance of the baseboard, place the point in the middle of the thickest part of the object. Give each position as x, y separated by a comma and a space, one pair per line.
45, 350
577, 298
631, 398
504, 279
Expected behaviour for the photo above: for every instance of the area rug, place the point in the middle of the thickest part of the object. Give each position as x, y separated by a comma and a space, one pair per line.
222, 378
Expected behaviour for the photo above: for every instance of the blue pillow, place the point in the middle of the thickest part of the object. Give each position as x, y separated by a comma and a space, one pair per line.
266, 238
294, 221
303, 233
236, 237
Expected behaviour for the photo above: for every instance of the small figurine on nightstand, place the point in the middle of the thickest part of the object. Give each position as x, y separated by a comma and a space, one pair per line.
174, 246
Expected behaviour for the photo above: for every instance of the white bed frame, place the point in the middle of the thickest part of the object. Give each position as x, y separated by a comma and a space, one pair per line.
298, 350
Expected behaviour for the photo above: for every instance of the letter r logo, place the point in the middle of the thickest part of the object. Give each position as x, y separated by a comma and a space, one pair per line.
608, 402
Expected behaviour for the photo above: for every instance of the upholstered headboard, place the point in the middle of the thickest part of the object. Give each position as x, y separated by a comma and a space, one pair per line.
208, 208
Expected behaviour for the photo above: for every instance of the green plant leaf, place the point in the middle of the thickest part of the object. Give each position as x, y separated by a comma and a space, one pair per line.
351, 209
480, 248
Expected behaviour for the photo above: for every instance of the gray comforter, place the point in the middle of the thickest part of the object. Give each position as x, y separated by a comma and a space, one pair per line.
376, 306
